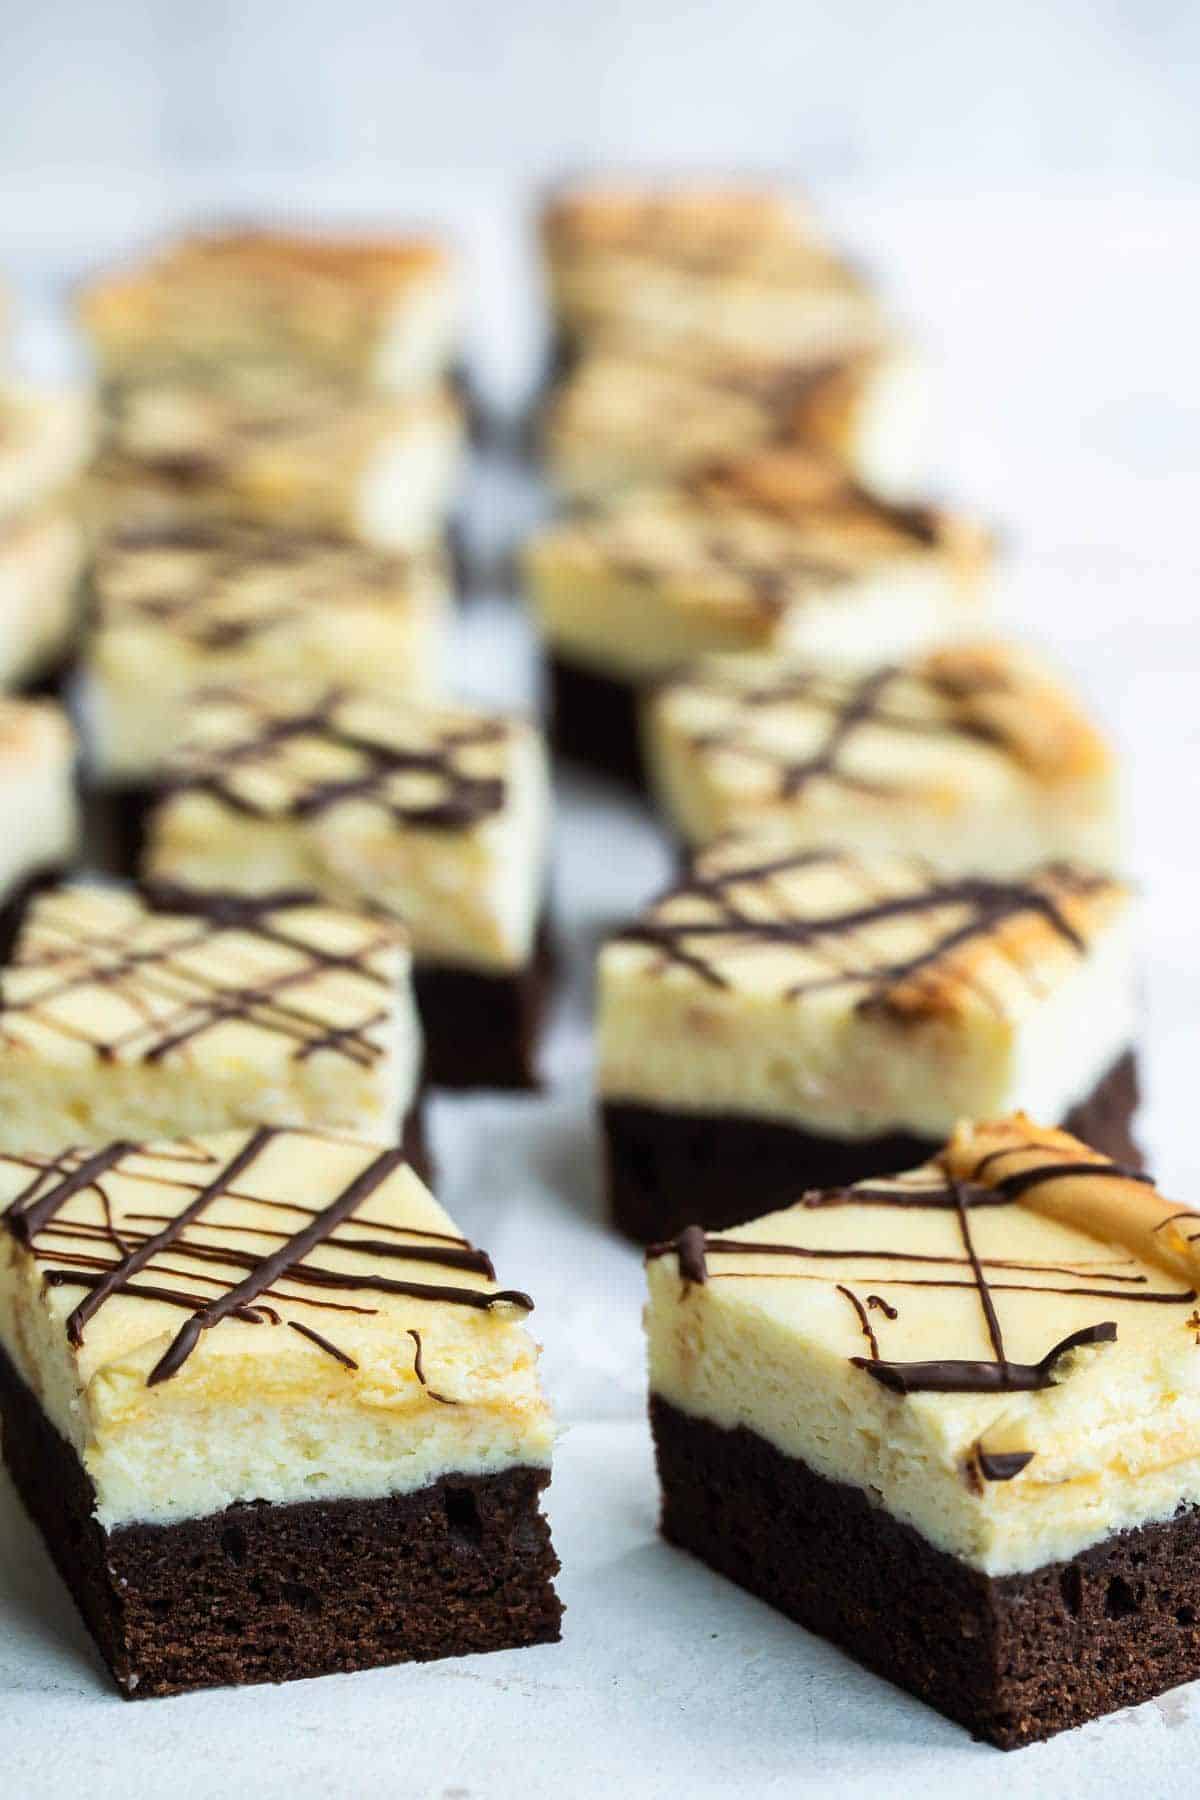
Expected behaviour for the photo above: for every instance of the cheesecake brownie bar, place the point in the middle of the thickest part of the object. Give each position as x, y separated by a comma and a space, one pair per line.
437, 815
281, 449
804, 1017
778, 552
138, 1014
690, 272
269, 1410
948, 1420
179, 606
39, 810
622, 419
372, 312
975, 757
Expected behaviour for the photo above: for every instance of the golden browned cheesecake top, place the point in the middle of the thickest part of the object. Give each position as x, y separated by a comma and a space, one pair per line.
331, 277
883, 935
798, 725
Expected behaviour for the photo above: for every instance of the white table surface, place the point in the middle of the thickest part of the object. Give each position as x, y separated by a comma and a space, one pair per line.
1071, 414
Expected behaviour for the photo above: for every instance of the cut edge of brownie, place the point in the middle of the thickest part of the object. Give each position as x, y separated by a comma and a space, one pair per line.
483, 1030
261, 1592
595, 722
1013, 1658
667, 1169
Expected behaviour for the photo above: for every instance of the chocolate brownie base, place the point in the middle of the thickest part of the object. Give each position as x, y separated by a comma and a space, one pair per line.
667, 1170
594, 722
272, 1593
115, 822
1014, 1658
483, 1030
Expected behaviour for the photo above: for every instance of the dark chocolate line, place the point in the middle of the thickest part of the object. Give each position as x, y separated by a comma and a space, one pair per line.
691, 1250
136, 1260
419, 1371
314, 1337
1013, 1186
990, 1315
25, 1222
955, 1377
1001, 1465
877, 1303
272, 1267
868, 1330
989, 905
467, 800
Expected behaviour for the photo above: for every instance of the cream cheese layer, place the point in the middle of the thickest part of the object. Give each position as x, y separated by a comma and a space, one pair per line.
1015, 1383
259, 1315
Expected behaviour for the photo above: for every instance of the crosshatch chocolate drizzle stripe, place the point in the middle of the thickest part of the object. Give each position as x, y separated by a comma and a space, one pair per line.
35, 1219
172, 1001
463, 798
851, 704
950, 1375
987, 905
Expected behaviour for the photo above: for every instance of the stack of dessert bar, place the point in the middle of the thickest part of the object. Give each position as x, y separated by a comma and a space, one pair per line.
735, 432
270, 1409
280, 445
892, 1356
270, 601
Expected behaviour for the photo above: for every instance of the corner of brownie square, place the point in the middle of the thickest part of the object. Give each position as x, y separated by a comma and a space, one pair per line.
787, 1018
269, 1410
951, 1420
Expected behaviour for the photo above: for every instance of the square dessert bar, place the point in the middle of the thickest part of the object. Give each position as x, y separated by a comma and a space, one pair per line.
778, 552
39, 811
974, 757
379, 313
269, 1410
177, 606
126, 1014
692, 272
949, 1420
799, 1018
623, 419
285, 450
437, 815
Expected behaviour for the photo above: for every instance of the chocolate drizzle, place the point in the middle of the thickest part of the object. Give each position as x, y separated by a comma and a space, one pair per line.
217, 591
393, 760
997, 1375
931, 700
170, 986
951, 1376
705, 914
107, 1263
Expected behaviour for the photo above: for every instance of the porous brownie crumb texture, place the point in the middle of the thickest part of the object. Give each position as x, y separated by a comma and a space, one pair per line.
1014, 1659
272, 1593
